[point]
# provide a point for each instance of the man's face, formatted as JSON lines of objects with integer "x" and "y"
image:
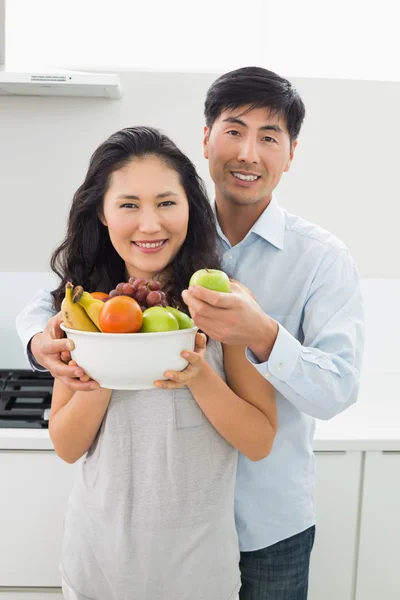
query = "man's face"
{"x": 247, "y": 152}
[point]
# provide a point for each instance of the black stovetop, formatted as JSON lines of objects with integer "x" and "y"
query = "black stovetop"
{"x": 25, "y": 398}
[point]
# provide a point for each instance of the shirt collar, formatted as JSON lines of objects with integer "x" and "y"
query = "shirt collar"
{"x": 270, "y": 225}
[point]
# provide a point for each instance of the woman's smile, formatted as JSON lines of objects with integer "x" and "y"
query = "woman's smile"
{"x": 150, "y": 247}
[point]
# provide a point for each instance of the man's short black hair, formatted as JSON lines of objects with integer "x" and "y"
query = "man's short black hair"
{"x": 257, "y": 88}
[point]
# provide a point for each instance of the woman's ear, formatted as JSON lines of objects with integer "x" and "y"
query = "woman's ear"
{"x": 102, "y": 219}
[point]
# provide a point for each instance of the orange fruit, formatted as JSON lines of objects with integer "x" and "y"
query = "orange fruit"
{"x": 121, "y": 314}
{"x": 100, "y": 295}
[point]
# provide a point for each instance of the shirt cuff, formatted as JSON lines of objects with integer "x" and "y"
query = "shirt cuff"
{"x": 283, "y": 358}
{"x": 35, "y": 366}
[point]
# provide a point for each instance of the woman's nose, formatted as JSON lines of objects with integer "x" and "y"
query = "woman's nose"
{"x": 149, "y": 223}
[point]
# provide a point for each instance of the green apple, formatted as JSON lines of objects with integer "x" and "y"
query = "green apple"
{"x": 213, "y": 279}
{"x": 158, "y": 318}
{"x": 184, "y": 321}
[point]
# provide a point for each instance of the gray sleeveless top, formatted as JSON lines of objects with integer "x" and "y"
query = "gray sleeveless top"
{"x": 151, "y": 515}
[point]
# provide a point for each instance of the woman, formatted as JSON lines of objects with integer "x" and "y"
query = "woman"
{"x": 151, "y": 515}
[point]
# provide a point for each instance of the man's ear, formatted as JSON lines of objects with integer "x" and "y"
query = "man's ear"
{"x": 205, "y": 141}
{"x": 289, "y": 162}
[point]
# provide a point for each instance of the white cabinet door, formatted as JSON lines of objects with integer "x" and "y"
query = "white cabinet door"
{"x": 379, "y": 556}
{"x": 34, "y": 489}
{"x": 337, "y": 495}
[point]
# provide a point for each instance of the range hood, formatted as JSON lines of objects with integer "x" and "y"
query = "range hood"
{"x": 52, "y": 81}
{"x": 55, "y": 82}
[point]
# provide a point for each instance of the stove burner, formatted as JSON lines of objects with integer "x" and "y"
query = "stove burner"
{"x": 25, "y": 398}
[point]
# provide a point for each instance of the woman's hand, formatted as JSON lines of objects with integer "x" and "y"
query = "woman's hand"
{"x": 196, "y": 360}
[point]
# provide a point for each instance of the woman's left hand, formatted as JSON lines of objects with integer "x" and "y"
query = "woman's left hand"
{"x": 196, "y": 360}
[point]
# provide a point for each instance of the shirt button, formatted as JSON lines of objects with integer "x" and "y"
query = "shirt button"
{"x": 279, "y": 366}
{"x": 229, "y": 256}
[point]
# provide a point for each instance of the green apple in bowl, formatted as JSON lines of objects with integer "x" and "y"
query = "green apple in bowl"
{"x": 157, "y": 319}
{"x": 213, "y": 279}
{"x": 184, "y": 321}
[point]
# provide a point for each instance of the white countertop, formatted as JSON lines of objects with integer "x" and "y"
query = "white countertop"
{"x": 372, "y": 424}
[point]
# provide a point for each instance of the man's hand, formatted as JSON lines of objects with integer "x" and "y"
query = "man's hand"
{"x": 52, "y": 350}
{"x": 234, "y": 318}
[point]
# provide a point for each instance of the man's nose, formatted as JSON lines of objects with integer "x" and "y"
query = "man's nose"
{"x": 248, "y": 151}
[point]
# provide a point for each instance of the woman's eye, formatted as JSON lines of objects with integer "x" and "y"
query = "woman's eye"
{"x": 128, "y": 205}
{"x": 167, "y": 203}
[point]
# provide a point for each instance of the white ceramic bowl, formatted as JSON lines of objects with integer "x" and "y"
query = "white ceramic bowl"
{"x": 130, "y": 361}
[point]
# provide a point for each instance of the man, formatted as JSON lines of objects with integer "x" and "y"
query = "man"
{"x": 303, "y": 329}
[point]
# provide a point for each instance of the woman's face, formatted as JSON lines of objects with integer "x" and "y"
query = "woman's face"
{"x": 147, "y": 212}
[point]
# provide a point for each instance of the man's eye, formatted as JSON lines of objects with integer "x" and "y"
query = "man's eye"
{"x": 233, "y": 132}
{"x": 269, "y": 139}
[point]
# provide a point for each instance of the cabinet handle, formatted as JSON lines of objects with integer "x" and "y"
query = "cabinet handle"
{"x": 330, "y": 452}
{"x": 390, "y": 451}
{"x": 24, "y": 451}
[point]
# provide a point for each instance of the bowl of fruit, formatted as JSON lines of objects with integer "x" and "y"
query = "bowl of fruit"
{"x": 127, "y": 339}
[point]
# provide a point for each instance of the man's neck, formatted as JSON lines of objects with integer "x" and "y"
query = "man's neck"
{"x": 235, "y": 220}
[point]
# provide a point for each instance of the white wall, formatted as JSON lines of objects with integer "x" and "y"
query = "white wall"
{"x": 177, "y": 35}
{"x": 351, "y": 39}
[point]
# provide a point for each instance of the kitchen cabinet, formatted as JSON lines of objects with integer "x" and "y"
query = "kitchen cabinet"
{"x": 337, "y": 495}
{"x": 357, "y": 495}
{"x": 379, "y": 555}
{"x": 35, "y": 489}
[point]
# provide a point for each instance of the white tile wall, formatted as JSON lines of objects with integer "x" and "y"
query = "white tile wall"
{"x": 16, "y": 290}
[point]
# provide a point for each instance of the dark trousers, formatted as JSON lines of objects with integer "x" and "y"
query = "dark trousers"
{"x": 279, "y": 572}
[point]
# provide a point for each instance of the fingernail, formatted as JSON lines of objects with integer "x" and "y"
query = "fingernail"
{"x": 169, "y": 375}
{"x": 93, "y": 386}
{"x": 78, "y": 373}
{"x": 159, "y": 385}
{"x": 69, "y": 345}
{"x": 185, "y": 354}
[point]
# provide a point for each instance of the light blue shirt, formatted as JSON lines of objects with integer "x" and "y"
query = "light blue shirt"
{"x": 304, "y": 278}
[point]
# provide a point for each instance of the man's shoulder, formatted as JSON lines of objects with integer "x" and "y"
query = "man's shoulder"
{"x": 300, "y": 232}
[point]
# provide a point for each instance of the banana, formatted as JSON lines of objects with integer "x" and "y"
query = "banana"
{"x": 91, "y": 306}
{"x": 73, "y": 314}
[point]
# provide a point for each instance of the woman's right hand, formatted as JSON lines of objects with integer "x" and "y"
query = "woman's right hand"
{"x": 194, "y": 370}
{"x": 51, "y": 350}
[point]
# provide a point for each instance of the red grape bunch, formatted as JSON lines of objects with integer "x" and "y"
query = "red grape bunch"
{"x": 146, "y": 293}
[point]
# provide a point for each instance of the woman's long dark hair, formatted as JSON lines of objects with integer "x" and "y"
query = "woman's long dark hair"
{"x": 87, "y": 256}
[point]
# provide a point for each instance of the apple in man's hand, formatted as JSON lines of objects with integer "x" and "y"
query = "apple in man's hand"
{"x": 212, "y": 279}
